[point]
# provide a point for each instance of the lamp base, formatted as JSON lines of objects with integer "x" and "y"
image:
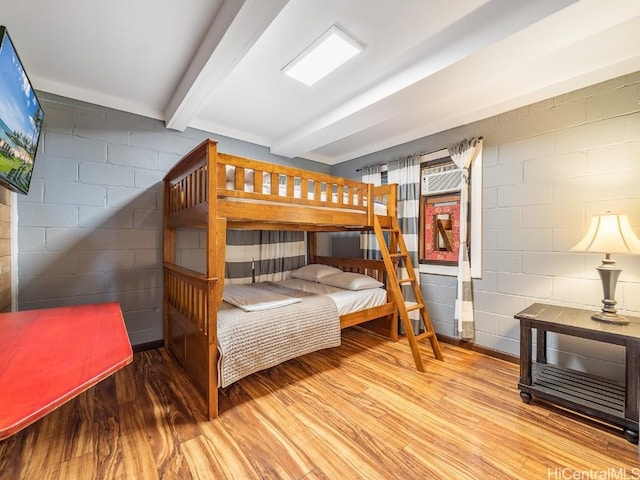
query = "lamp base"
{"x": 609, "y": 273}
{"x": 610, "y": 318}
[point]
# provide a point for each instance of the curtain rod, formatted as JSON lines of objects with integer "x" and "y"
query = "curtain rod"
{"x": 408, "y": 156}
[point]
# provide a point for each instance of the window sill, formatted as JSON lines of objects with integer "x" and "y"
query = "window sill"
{"x": 448, "y": 270}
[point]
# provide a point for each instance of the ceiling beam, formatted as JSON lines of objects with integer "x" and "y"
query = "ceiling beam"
{"x": 235, "y": 29}
{"x": 483, "y": 27}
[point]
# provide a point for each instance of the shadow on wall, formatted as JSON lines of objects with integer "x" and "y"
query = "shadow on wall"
{"x": 110, "y": 255}
{"x": 90, "y": 229}
{"x": 586, "y": 355}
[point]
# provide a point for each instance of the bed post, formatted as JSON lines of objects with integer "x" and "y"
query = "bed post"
{"x": 220, "y": 254}
{"x": 312, "y": 246}
{"x": 216, "y": 233}
{"x": 168, "y": 255}
{"x": 370, "y": 204}
{"x": 392, "y": 200}
{"x": 213, "y": 293}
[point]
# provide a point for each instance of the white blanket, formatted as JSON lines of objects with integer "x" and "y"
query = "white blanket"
{"x": 253, "y": 299}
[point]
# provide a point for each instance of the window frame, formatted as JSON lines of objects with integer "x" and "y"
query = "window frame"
{"x": 425, "y": 200}
{"x": 475, "y": 227}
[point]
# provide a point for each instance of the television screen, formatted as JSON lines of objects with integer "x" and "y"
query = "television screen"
{"x": 20, "y": 119}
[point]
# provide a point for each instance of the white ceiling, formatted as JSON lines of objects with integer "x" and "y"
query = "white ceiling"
{"x": 429, "y": 65}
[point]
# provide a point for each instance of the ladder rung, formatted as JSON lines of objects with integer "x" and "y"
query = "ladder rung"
{"x": 416, "y": 306}
{"x": 391, "y": 261}
{"x": 424, "y": 335}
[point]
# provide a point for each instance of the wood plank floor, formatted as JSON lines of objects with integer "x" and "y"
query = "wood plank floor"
{"x": 359, "y": 411}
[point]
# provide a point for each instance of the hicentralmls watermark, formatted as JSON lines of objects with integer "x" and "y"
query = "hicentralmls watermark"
{"x": 606, "y": 474}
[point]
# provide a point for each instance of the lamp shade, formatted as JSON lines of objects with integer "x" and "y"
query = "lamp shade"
{"x": 609, "y": 233}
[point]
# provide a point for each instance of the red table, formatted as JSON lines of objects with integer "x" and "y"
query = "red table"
{"x": 49, "y": 356}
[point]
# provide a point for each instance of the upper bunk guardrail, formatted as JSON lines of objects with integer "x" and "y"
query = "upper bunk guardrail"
{"x": 187, "y": 185}
{"x": 252, "y": 179}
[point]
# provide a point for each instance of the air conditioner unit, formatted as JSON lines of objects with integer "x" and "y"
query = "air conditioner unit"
{"x": 441, "y": 179}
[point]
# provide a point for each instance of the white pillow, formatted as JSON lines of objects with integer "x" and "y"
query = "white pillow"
{"x": 351, "y": 281}
{"x": 314, "y": 272}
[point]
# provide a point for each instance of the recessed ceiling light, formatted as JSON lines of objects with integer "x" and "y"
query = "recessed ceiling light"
{"x": 323, "y": 56}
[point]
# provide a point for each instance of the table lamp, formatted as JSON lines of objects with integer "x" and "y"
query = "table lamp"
{"x": 609, "y": 233}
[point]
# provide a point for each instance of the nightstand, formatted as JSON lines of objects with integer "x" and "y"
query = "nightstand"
{"x": 587, "y": 394}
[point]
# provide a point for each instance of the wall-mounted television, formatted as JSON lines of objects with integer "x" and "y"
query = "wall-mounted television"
{"x": 21, "y": 118}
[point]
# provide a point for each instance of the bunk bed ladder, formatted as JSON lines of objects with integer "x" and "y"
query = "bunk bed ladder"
{"x": 393, "y": 249}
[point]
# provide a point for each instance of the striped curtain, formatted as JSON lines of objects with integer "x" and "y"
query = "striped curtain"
{"x": 368, "y": 243}
{"x": 463, "y": 154}
{"x": 406, "y": 173}
{"x": 263, "y": 255}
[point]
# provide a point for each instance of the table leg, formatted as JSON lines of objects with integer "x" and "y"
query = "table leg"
{"x": 525, "y": 357}
{"x": 632, "y": 385}
{"x": 541, "y": 345}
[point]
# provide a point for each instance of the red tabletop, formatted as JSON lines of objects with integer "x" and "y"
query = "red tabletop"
{"x": 49, "y": 356}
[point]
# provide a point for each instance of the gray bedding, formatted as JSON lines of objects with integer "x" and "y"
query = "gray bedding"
{"x": 252, "y": 341}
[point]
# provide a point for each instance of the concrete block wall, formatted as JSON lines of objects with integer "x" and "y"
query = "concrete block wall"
{"x": 547, "y": 168}
{"x": 90, "y": 229}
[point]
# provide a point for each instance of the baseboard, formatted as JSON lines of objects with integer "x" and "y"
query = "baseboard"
{"x": 443, "y": 338}
{"x": 480, "y": 349}
{"x": 141, "y": 347}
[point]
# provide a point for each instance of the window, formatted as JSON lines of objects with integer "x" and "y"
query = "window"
{"x": 440, "y": 214}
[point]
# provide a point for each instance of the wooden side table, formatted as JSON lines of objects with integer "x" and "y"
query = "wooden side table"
{"x": 591, "y": 395}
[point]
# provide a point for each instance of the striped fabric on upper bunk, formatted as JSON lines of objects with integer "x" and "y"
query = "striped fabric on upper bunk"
{"x": 263, "y": 255}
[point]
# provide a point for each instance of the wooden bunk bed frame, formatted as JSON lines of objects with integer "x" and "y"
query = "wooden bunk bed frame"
{"x": 198, "y": 194}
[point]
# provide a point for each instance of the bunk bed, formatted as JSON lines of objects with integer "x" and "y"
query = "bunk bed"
{"x": 215, "y": 192}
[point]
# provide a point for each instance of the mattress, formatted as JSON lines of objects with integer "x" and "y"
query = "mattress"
{"x": 347, "y": 301}
{"x": 252, "y": 341}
